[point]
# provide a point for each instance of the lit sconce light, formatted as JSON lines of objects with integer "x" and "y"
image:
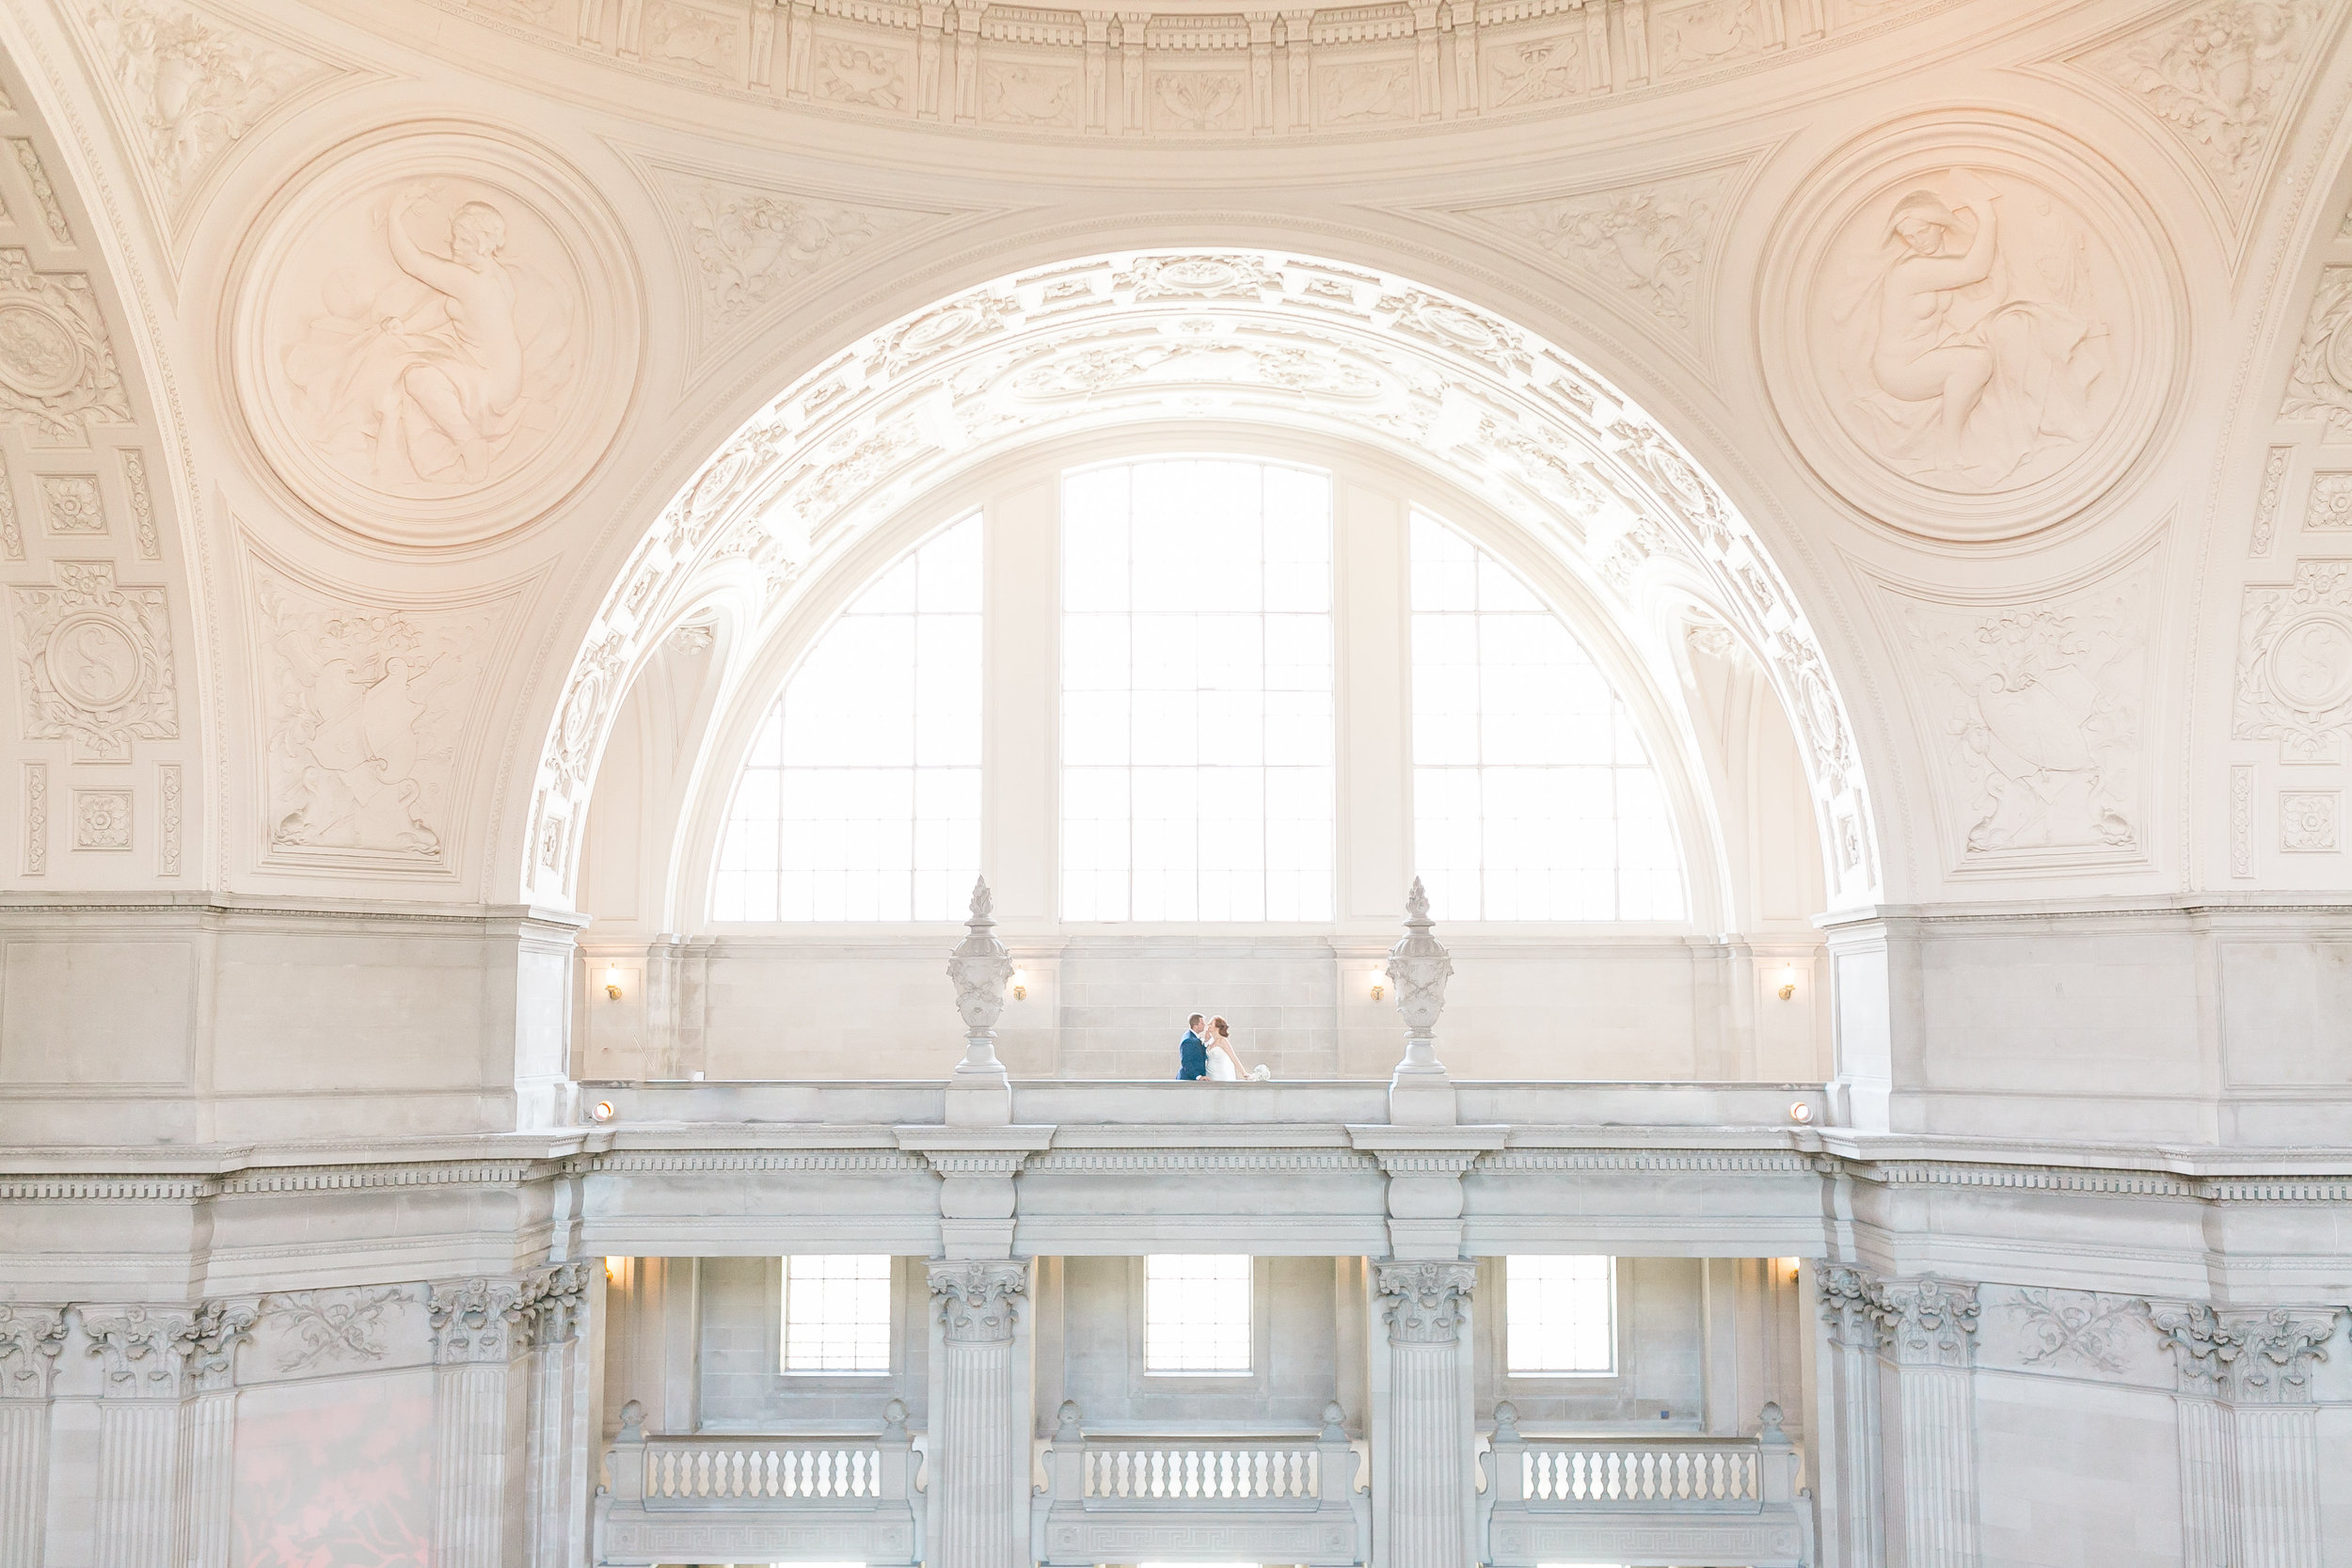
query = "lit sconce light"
{"x": 1379, "y": 985}
{"x": 612, "y": 1269}
{"x": 1788, "y": 1267}
{"x": 1020, "y": 985}
{"x": 1788, "y": 983}
{"x": 602, "y": 1111}
{"x": 1801, "y": 1113}
{"x": 612, "y": 981}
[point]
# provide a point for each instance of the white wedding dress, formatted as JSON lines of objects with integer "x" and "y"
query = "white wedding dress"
{"x": 1221, "y": 1066}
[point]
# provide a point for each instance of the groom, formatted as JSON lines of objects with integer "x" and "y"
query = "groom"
{"x": 1192, "y": 1057}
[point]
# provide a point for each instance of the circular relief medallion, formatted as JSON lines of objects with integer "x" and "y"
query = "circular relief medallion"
{"x": 436, "y": 337}
{"x": 1976, "y": 334}
{"x": 39, "y": 355}
{"x": 93, "y": 661}
{"x": 2310, "y": 664}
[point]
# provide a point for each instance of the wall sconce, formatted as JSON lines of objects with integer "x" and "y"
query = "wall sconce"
{"x": 602, "y": 1111}
{"x": 1790, "y": 1267}
{"x": 1379, "y": 985}
{"x": 1788, "y": 983}
{"x": 612, "y": 1269}
{"x": 1020, "y": 985}
{"x": 612, "y": 981}
{"x": 1801, "y": 1113}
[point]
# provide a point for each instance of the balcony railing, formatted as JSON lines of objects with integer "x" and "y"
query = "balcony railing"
{"x": 1647, "y": 1502}
{"x": 734, "y": 1499}
{"x": 1160, "y": 1499}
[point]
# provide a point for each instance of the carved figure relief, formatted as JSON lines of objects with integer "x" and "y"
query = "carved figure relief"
{"x": 1530, "y": 70}
{"x": 1713, "y": 32}
{"x": 1029, "y": 95}
{"x": 853, "y": 73}
{"x": 1365, "y": 91}
{"x": 1649, "y": 241}
{"x": 2294, "y": 663}
{"x": 365, "y": 712}
{"x": 416, "y": 332}
{"x": 2036, "y": 707}
{"x": 750, "y": 246}
{"x": 190, "y": 85}
{"x": 71, "y": 503}
{"x": 93, "y": 662}
{"x": 689, "y": 38}
{"x": 1197, "y": 100}
{"x": 1979, "y": 344}
{"x": 58, "y": 374}
{"x": 2307, "y": 821}
{"x": 2220, "y": 79}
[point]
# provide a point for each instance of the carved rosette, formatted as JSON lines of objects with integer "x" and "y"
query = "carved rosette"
{"x": 2260, "y": 1356}
{"x": 1419, "y": 967}
{"x": 1423, "y": 1303}
{"x": 31, "y": 1339}
{"x": 979, "y": 1302}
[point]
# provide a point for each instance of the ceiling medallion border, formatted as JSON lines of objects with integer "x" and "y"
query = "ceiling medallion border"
{"x": 1959, "y": 380}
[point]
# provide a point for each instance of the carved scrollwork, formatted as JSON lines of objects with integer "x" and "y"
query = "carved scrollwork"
{"x": 57, "y": 373}
{"x": 94, "y": 662}
{"x": 2294, "y": 663}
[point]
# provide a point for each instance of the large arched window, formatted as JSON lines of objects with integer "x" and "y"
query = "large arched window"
{"x": 1196, "y": 729}
{"x": 861, "y": 798}
{"x": 1532, "y": 797}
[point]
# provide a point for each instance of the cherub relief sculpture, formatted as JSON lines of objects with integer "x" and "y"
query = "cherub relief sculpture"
{"x": 1978, "y": 337}
{"x": 438, "y": 374}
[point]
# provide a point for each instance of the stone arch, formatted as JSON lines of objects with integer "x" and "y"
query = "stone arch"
{"x": 1257, "y": 335}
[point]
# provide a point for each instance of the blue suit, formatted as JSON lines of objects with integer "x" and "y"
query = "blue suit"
{"x": 1192, "y": 1057}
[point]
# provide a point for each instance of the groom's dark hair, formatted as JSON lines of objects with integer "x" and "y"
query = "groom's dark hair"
{"x": 1195, "y": 1021}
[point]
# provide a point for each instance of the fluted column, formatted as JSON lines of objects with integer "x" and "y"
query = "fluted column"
{"x": 2249, "y": 1433}
{"x": 1928, "y": 1330}
{"x": 30, "y": 1340}
{"x": 1428, "y": 1483}
{"x": 208, "y": 1430}
{"x": 141, "y": 1520}
{"x": 980, "y": 1456}
{"x": 1851, "y": 1307}
{"x": 553, "y": 1302}
{"x": 480, "y": 1406}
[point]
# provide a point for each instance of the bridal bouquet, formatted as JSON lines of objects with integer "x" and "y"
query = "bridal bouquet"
{"x": 1261, "y": 1073}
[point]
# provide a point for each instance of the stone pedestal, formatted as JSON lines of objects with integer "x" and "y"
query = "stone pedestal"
{"x": 1425, "y": 1424}
{"x": 979, "y": 1453}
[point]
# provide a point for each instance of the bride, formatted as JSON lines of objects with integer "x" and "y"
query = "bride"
{"x": 1224, "y": 1067}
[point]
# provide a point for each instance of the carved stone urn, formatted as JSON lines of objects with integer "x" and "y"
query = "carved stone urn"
{"x": 1419, "y": 967}
{"x": 979, "y": 1094}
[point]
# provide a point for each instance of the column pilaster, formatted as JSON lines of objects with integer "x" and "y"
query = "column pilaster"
{"x": 981, "y": 1459}
{"x": 208, "y": 1428}
{"x": 2249, "y": 1432}
{"x": 1427, "y": 1482}
{"x": 1929, "y": 1332}
{"x": 141, "y": 1518}
{"x": 31, "y": 1339}
{"x": 1850, "y": 1306}
{"x": 480, "y": 1406}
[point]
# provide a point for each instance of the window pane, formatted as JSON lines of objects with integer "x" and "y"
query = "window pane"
{"x": 1196, "y": 1315}
{"x": 1198, "y": 738}
{"x": 1560, "y": 1315}
{"x": 837, "y": 1313}
{"x": 861, "y": 798}
{"x": 1533, "y": 798}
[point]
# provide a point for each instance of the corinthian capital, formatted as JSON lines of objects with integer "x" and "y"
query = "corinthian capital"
{"x": 1854, "y": 1305}
{"x": 2259, "y": 1356}
{"x": 146, "y": 1352}
{"x": 1423, "y": 1303}
{"x": 979, "y": 1302}
{"x": 1928, "y": 1322}
{"x": 478, "y": 1320}
{"x": 31, "y": 1339}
